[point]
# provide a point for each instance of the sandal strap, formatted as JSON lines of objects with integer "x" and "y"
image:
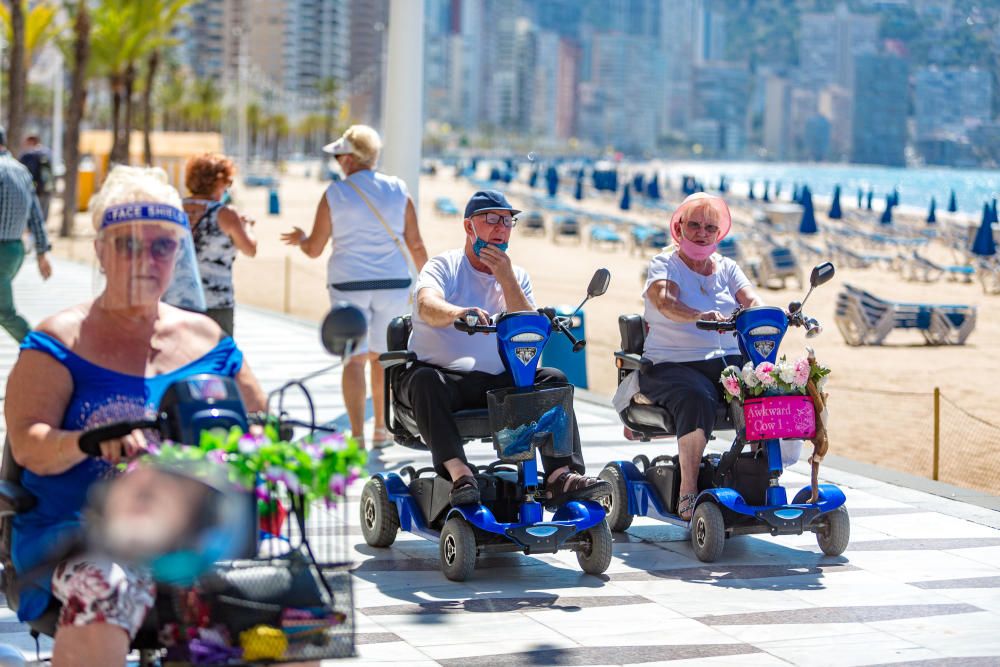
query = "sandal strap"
{"x": 574, "y": 481}
{"x": 464, "y": 480}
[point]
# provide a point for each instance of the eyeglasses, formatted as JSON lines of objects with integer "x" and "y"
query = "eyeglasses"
{"x": 492, "y": 219}
{"x": 696, "y": 226}
{"x": 160, "y": 248}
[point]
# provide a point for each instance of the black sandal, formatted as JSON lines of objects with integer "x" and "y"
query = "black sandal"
{"x": 575, "y": 487}
{"x": 464, "y": 491}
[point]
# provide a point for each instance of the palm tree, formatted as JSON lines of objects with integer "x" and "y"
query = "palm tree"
{"x": 78, "y": 56}
{"x": 327, "y": 90}
{"x": 18, "y": 77}
{"x": 164, "y": 15}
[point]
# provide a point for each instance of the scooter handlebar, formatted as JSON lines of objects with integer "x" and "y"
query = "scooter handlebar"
{"x": 714, "y": 325}
{"x": 91, "y": 439}
{"x": 462, "y": 324}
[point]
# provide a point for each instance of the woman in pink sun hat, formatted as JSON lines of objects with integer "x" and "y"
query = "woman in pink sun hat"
{"x": 688, "y": 282}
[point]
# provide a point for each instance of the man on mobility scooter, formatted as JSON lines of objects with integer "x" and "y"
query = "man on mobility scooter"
{"x": 443, "y": 392}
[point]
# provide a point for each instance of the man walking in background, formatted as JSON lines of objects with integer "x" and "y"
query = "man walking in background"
{"x": 19, "y": 208}
{"x": 38, "y": 160}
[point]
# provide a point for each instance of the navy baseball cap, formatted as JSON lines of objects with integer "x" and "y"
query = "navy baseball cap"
{"x": 488, "y": 200}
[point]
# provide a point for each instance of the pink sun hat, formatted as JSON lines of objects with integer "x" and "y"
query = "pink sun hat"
{"x": 717, "y": 204}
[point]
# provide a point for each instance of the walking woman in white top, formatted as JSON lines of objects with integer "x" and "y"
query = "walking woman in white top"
{"x": 368, "y": 216}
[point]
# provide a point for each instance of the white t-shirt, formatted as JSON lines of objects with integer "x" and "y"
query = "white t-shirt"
{"x": 362, "y": 248}
{"x": 452, "y": 275}
{"x": 668, "y": 340}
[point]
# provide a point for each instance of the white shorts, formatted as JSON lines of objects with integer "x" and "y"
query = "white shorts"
{"x": 379, "y": 307}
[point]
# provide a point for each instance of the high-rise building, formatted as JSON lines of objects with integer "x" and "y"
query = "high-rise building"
{"x": 951, "y": 101}
{"x": 677, "y": 27}
{"x": 777, "y": 117}
{"x": 881, "y": 98}
{"x": 721, "y": 91}
{"x": 201, "y": 39}
{"x": 368, "y": 32}
{"x": 829, "y": 43}
{"x": 710, "y": 32}
{"x": 835, "y": 105}
{"x": 316, "y": 44}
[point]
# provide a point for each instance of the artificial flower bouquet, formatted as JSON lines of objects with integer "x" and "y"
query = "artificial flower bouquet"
{"x": 780, "y": 379}
{"x": 317, "y": 470}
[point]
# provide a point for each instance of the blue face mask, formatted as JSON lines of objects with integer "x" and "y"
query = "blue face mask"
{"x": 480, "y": 244}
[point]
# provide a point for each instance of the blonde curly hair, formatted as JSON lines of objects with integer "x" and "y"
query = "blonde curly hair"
{"x": 367, "y": 144}
{"x": 125, "y": 185}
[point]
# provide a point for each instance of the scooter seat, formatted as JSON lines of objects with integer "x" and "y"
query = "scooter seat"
{"x": 472, "y": 425}
{"x": 652, "y": 421}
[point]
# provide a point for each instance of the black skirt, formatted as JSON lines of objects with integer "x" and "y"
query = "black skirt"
{"x": 689, "y": 390}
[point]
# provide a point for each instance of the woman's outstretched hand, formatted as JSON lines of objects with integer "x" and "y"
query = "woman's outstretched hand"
{"x": 294, "y": 237}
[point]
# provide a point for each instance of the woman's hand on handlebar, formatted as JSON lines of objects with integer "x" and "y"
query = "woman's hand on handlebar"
{"x": 711, "y": 316}
{"x": 125, "y": 447}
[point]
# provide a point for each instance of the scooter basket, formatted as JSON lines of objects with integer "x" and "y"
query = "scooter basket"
{"x": 524, "y": 419}
{"x": 292, "y": 603}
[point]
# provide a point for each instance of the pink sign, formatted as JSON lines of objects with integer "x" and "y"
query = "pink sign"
{"x": 779, "y": 417}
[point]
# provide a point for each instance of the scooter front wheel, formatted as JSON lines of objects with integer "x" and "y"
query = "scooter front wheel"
{"x": 379, "y": 519}
{"x": 708, "y": 532}
{"x": 834, "y": 536}
{"x": 615, "y": 504}
{"x": 594, "y": 554}
{"x": 458, "y": 549}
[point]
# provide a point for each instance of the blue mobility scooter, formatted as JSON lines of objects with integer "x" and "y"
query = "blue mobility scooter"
{"x": 739, "y": 492}
{"x": 520, "y": 420}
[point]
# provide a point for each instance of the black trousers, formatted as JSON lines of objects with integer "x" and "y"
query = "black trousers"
{"x": 434, "y": 394}
{"x": 689, "y": 390}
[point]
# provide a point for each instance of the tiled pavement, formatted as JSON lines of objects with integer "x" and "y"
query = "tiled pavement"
{"x": 919, "y": 584}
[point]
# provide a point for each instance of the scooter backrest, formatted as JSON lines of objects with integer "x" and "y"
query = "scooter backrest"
{"x": 397, "y": 336}
{"x": 633, "y": 332}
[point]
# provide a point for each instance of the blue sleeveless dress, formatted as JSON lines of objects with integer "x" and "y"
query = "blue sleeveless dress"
{"x": 100, "y": 396}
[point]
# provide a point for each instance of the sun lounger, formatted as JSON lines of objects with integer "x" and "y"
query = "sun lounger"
{"x": 865, "y": 319}
{"x": 988, "y": 271}
{"x": 919, "y": 268}
{"x": 445, "y": 206}
{"x": 645, "y": 238}
{"x": 777, "y": 264}
{"x": 605, "y": 236}
{"x": 566, "y": 227}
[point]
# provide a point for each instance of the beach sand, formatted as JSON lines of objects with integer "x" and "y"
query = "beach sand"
{"x": 881, "y": 398}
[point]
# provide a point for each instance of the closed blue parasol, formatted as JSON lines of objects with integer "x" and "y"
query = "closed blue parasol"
{"x": 750, "y": 194}
{"x": 626, "y": 202}
{"x": 861, "y": 198}
{"x": 533, "y": 178}
{"x": 932, "y": 212}
{"x": 767, "y": 186}
{"x": 552, "y": 181}
{"x": 808, "y": 224}
{"x": 871, "y": 193}
{"x": 835, "y": 212}
{"x": 886, "y": 218}
{"x": 984, "y": 245}
{"x": 952, "y": 203}
{"x": 578, "y": 193}
{"x": 638, "y": 183}
{"x": 653, "y": 187}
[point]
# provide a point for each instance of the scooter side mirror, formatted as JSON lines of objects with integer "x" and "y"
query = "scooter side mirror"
{"x": 344, "y": 327}
{"x": 821, "y": 273}
{"x": 599, "y": 283}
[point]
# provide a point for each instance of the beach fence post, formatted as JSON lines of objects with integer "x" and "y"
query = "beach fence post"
{"x": 287, "y": 301}
{"x": 937, "y": 432}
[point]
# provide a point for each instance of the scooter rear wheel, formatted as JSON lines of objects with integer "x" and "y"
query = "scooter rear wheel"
{"x": 834, "y": 537}
{"x": 458, "y": 549}
{"x": 379, "y": 519}
{"x": 615, "y": 504}
{"x": 594, "y": 555}
{"x": 708, "y": 532}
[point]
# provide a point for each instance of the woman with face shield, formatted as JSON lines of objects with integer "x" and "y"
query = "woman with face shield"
{"x": 106, "y": 360}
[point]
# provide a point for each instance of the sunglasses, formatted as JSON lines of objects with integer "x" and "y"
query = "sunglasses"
{"x": 493, "y": 219}
{"x": 160, "y": 248}
{"x": 696, "y": 226}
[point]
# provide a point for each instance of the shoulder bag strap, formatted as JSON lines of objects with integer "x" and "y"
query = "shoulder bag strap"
{"x": 392, "y": 234}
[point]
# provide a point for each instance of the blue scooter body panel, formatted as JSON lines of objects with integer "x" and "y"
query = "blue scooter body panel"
{"x": 759, "y": 332}
{"x": 520, "y": 339}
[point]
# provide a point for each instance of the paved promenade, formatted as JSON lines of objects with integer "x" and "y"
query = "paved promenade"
{"x": 919, "y": 584}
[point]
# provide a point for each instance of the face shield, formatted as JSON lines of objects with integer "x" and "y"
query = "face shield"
{"x": 145, "y": 253}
